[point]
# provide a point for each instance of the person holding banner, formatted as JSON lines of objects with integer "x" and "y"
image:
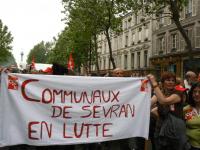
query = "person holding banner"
{"x": 122, "y": 144}
{"x": 170, "y": 127}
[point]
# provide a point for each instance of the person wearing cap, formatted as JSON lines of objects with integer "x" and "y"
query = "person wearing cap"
{"x": 192, "y": 116}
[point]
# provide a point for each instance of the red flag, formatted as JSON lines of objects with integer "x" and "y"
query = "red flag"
{"x": 70, "y": 65}
{"x": 33, "y": 64}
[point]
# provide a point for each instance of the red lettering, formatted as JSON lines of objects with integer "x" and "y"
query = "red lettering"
{"x": 76, "y": 130}
{"x": 86, "y": 108}
{"x": 54, "y": 115}
{"x": 95, "y": 111}
{"x": 105, "y": 130}
{"x": 123, "y": 110}
{"x": 131, "y": 109}
{"x": 44, "y": 100}
{"x": 64, "y": 132}
{"x": 65, "y": 112}
{"x": 113, "y": 110}
{"x": 55, "y": 92}
{"x": 30, "y": 131}
{"x": 49, "y": 129}
{"x": 103, "y": 96}
{"x": 43, "y": 127}
{"x": 97, "y": 129}
{"x": 115, "y": 96}
{"x": 23, "y": 89}
{"x": 66, "y": 94}
{"x": 96, "y": 95}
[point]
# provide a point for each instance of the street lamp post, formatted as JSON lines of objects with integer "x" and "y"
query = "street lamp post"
{"x": 22, "y": 54}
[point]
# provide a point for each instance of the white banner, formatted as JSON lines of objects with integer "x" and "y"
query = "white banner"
{"x": 48, "y": 109}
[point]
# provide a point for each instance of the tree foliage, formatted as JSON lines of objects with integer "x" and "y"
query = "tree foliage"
{"x": 10, "y": 60}
{"x": 39, "y": 52}
{"x": 93, "y": 17}
{"x": 5, "y": 42}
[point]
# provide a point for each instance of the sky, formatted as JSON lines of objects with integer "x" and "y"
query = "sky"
{"x": 30, "y": 22}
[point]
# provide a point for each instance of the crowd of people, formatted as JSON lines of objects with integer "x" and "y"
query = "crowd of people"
{"x": 174, "y": 118}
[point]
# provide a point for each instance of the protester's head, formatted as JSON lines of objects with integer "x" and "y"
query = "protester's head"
{"x": 118, "y": 72}
{"x": 168, "y": 80}
{"x": 58, "y": 69}
{"x": 198, "y": 77}
{"x": 179, "y": 81}
{"x": 194, "y": 94}
{"x": 191, "y": 77}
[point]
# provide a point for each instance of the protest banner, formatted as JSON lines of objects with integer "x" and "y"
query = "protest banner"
{"x": 63, "y": 110}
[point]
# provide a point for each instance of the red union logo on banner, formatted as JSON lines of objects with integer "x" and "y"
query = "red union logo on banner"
{"x": 12, "y": 82}
{"x": 144, "y": 87}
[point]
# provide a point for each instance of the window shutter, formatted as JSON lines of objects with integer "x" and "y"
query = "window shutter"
{"x": 169, "y": 43}
{"x": 197, "y": 38}
{"x": 182, "y": 14}
{"x": 194, "y": 6}
{"x": 157, "y": 46}
{"x": 164, "y": 47}
{"x": 191, "y": 37}
{"x": 182, "y": 43}
{"x": 177, "y": 42}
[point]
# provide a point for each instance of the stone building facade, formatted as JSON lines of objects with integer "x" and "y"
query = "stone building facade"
{"x": 148, "y": 45}
{"x": 131, "y": 48}
{"x": 169, "y": 48}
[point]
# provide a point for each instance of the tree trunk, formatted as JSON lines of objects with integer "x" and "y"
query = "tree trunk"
{"x": 176, "y": 17}
{"x": 110, "y": 49}
{"x": 90, "y": 57}
{"x": 96, "y": 54}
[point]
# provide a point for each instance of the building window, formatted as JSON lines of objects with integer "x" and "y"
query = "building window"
{"x": 189, "y": 33}
{"x": 145, "y": 58}
{"x": 161, "y": 20}
{"x": 147, "y": 32}
{"x": 104, "y": 63}
{"x": 115, "y": 44}
{"x": 120, "y": 41}
{"x": 138, "y": 59}
{"x": 139, "y": 35}
{"x": 161, "y": 45}
{"x": 126, "y": 41}
{"x": 125, "y": 61}
{"x": 125, "y": 25}
{"x": 197, "y": 37}
{"x": 100, "y": 64}
{"x": 136, "y": 19}
{"x": 174, "y": 41}
{"x": 132, "y": 60}
{"x": 188, "y": 9}
{"x": 119, "y": 61}
{"x": 105, "y": 47}
{"x": 133, "y": 38}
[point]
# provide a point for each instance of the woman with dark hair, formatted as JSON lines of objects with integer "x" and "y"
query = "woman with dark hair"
{"x": 170, "y": 127}
{"x": 192, "y": 116}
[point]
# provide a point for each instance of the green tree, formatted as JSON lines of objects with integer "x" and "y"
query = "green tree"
{"x": 102, "y": 16}
{"x": 59, "y": 51}
{"x": 5, "y": 42}
{"x": 83, "y": 30}
{"x": 39, "y": 52}
{"x": 10, "y": 60}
